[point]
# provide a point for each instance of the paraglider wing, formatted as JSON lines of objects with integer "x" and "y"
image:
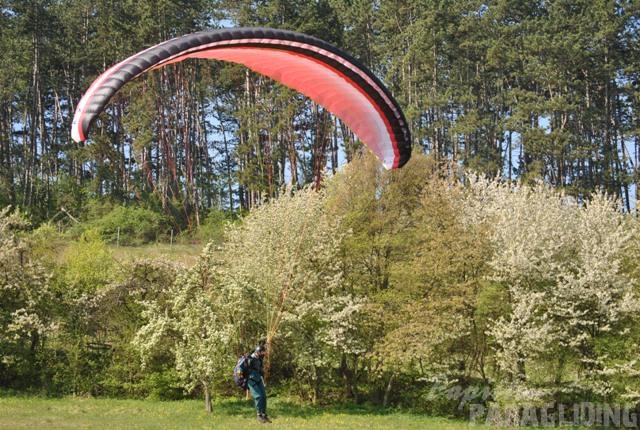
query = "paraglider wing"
{"x": 322, "y": 72}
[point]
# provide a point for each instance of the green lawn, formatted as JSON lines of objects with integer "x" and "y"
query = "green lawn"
{"x": 80, "y": 413}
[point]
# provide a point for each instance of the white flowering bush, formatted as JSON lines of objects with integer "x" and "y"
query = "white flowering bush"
{"x": 286, "y": 252}
{"x": 26, "y": 301}
{"x": 194, "y": 319}
{"x": 561, "y": 262}
{"x": 273, "y": 273}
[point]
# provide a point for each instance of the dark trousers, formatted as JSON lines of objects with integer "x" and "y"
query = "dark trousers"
{"x": 259, "y": 395}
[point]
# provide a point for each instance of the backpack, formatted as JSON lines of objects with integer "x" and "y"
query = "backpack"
{"x": 240, "y": 370}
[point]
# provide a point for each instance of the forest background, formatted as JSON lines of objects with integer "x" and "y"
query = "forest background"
{"x": 504, "y": 258}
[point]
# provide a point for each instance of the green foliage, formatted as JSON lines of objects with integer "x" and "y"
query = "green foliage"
{"x": 88, "y": 263}
{"x": 193, "y": 321}
{"x": 163, "y": 385}
{"x": 119, "y": 313}
{"x": 213, "y": 227}
{"x": 124, "y": 225}
{"x": 413, "y": 262}
{"x": 561, "y": 263}
{"x": 46, "y": 242}
{"x": 440, "y": 275}
{"x": 70, "y": 195}
{"x": 131, "y": 226}
{"x": 286, "y": 252}
{"x": 27, "y": 303}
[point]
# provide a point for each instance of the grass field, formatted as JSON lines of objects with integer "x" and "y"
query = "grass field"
{"x": 82, "y": 413}
{"x": 186, "y": 254}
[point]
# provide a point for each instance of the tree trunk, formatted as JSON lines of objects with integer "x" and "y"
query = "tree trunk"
{"x": 387, "y": 391}
{"x": 347, "y": 378}
{"x": 208, "y": 404}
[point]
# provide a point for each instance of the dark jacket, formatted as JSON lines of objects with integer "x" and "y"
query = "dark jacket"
{"x": 254, "y": 368}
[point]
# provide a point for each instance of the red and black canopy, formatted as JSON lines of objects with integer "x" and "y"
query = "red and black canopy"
{"x": 322, "y": 72}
